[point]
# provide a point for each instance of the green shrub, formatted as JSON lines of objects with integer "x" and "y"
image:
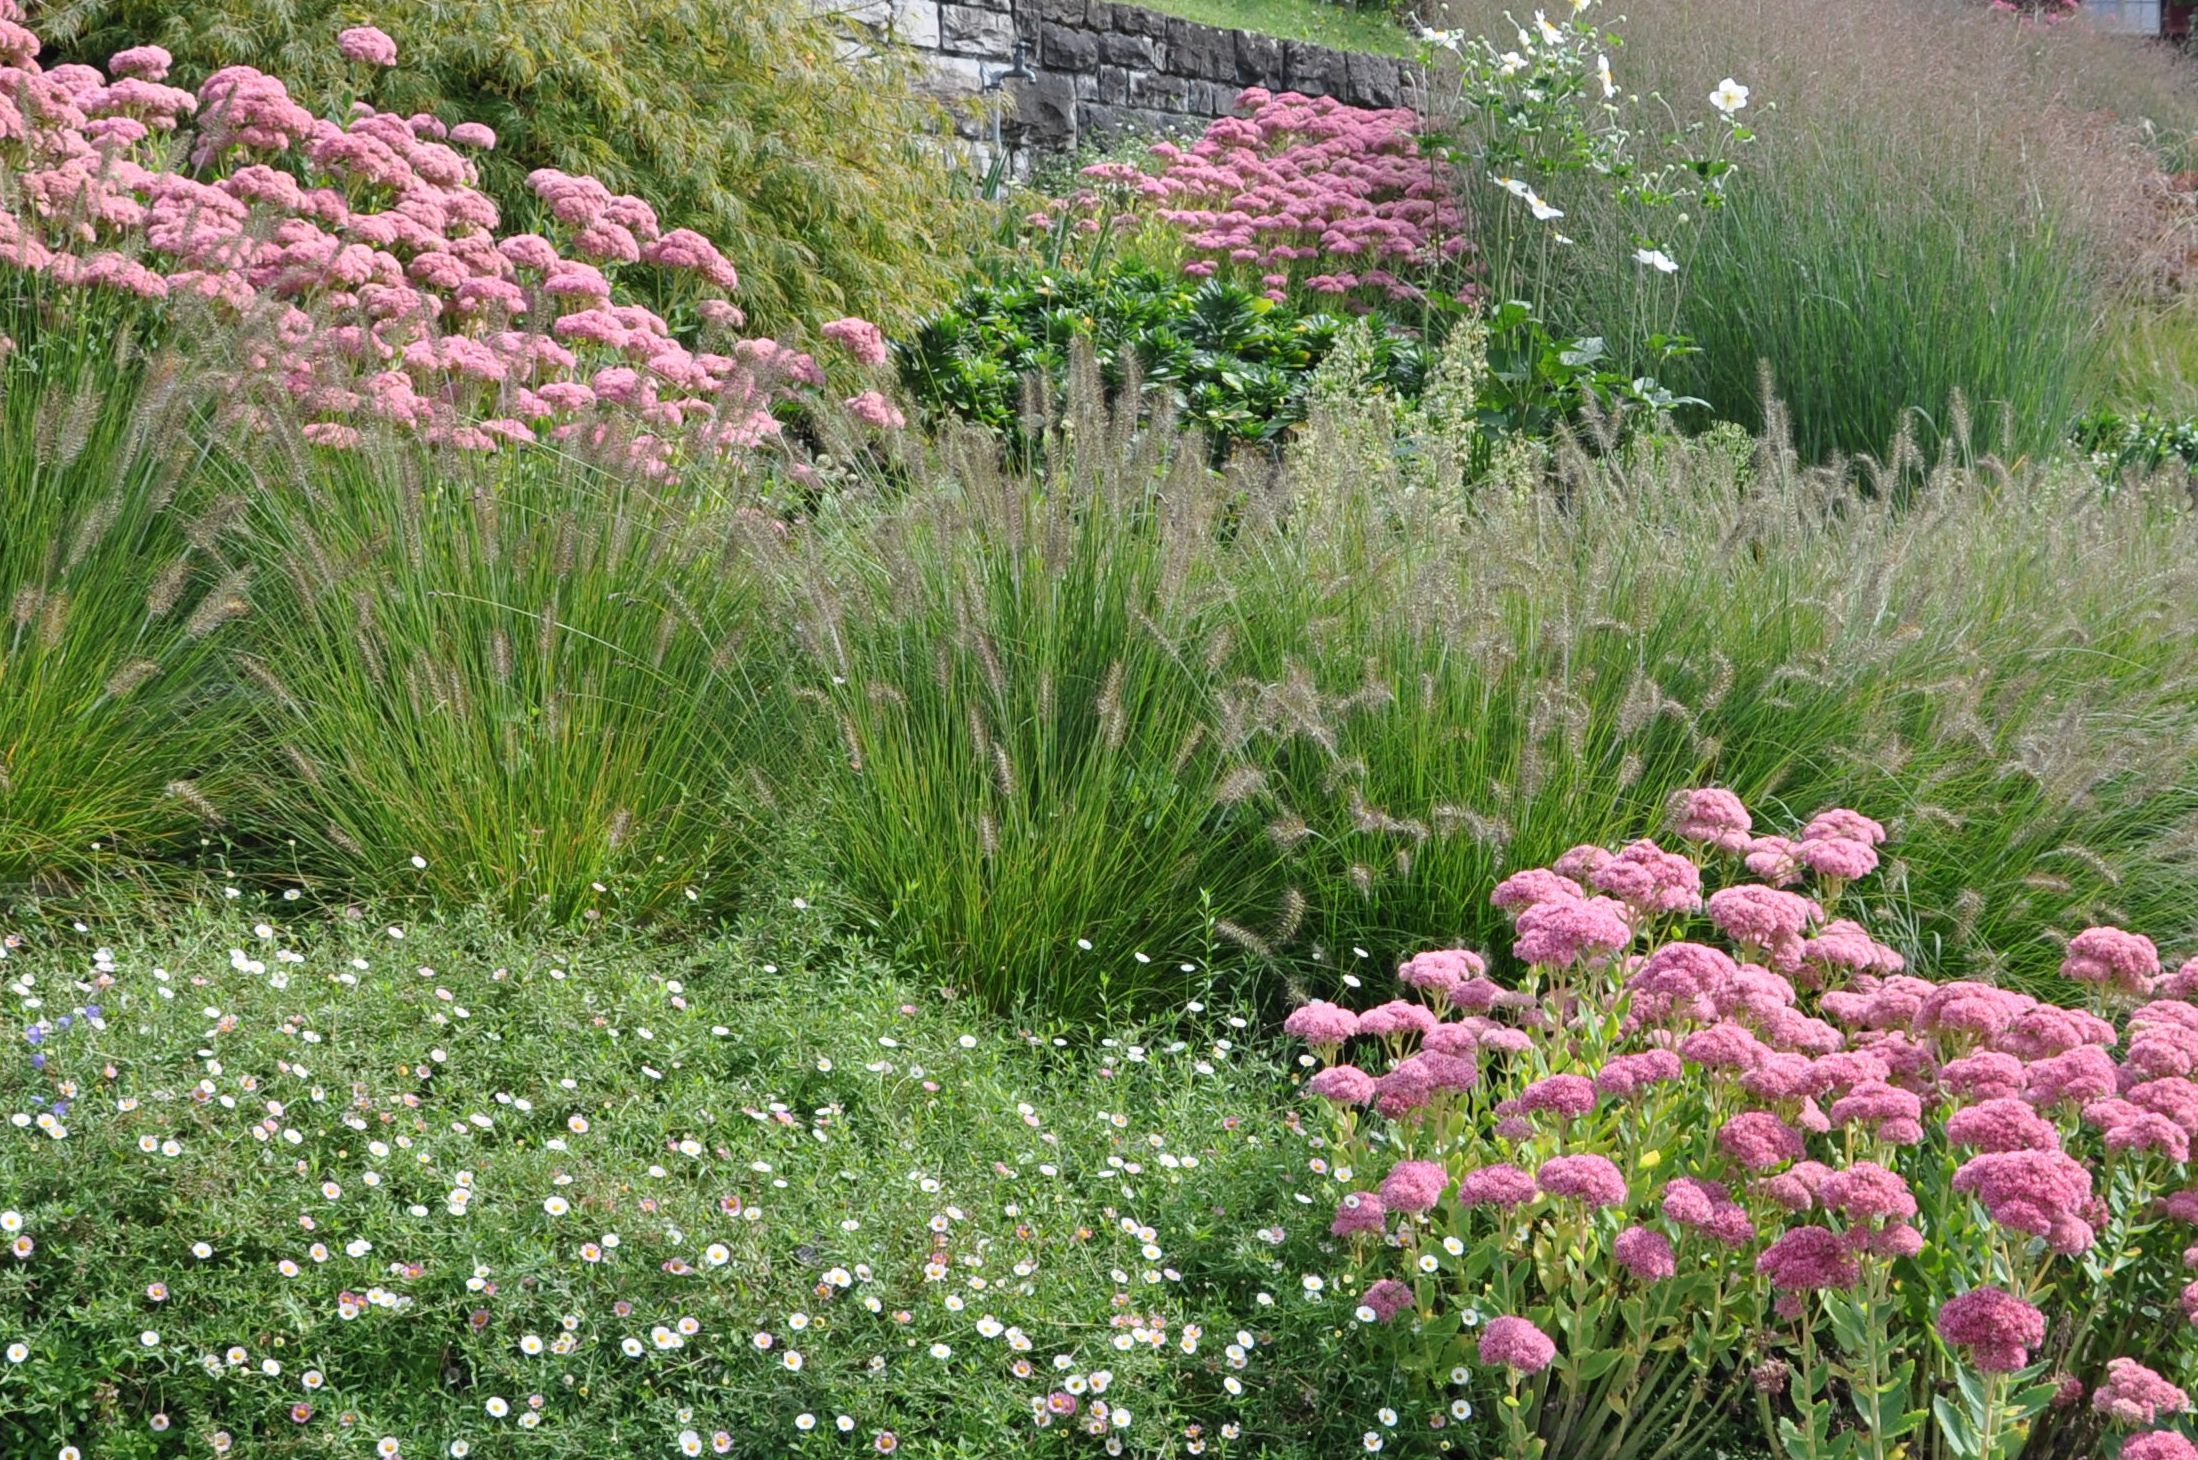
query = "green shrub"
{"x": 122, "y": 586}
{"x": 761, "y": 1135}
{"x": 1346, "y": 706}
{"x": 2117, "y": 445}
{"x": 819, "y": 177}
{"x": 528, "y": 675}
{"x": 1235, "y": 362}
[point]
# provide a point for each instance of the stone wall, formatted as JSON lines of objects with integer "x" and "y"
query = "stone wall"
{"x": 1099, "y": 68}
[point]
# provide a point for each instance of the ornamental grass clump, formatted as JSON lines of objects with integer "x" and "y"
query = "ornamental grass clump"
{"x": 515, "y": 682}
{"x": 1720, "y": 1148}
{"x": 123, "y": 595}
{"x": 1289, "y": 712}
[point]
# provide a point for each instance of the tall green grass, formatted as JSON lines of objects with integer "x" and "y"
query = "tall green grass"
{"x": 1940, "y": 203}
{"x": 1343, "y": 713}
{"x": 122, "y": 589}
{"x": 1030, "y": 788}
{"x": 519, "y": 681}
{"x": 1296, "y": 715}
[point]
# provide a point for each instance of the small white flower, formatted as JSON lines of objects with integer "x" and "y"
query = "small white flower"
{"x": 1602, "y": 74}
{"x": 1549, "y": 33}
{"x": 1729, "y": 97}
{"x": 1656, "y": 259}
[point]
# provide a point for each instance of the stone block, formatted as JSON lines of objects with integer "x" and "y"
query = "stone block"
{"x": 910, "y": 22}
{"x": 1139, "y": 51}
{"x": 1212, "y": 98}
{"x": 1064, "y": 48}
{"x": 1137, "y": 20}
{"x": 1102, "y": 120}
{"x": 951, "y": 77}
{"x": 1114, "y": 85}
{"x": 1160, "y": 91}
{"x": 1057, "y": 12}
{"x": 965, "y": 30}
{"x": 1313, "y": 70}
{"x": 1258, "y": 60}
{"x": 1045, "y": 110}
{"x": 1200, "y": 51}
{"x": 1370, "y": 80}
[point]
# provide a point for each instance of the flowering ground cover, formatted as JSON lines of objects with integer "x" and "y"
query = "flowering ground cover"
{"x": 276, "y": 1185}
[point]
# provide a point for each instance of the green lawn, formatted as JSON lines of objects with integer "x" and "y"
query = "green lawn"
{"x": 1339, "y": 26}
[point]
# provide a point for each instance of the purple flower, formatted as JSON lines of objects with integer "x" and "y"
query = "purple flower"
{"x": 1807, "y": 1258}
{"x": 1396, "y": 1018}
{"x": 1712, "y": 817}
{"x": 1867, "y": 1192}
{"x": 1387, "y": 1298}
{"x": 1499, "y": 1185}
{"x": 2002, "y": 1125}
{"x": 1759, "y": 1140}
{"x": 1361, "y": 1211}
{"x": 1567, "y": 1095}
{"x": 1516, "y": 1344}
{"x": 1999, "y": 1329}
{"x": 2135, "y": 1395}
{"x": 1645, "y": 1253}
{"x": 1414, "y": 1186}
{"x": 1592, "y": 1179}
{"x": 1321, "y": 1024}
{"x": 1628, "y": 1075}
{"x": 1344, "y": 1084}
{"x": 365, "y": 43}
{"x": 2109, "y": 956}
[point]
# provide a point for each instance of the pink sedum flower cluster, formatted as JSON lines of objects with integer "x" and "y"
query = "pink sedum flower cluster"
{"x": 1745, "y": 1086}
{"x": 371, "y": 271}
{"x": 1293, "y": 191}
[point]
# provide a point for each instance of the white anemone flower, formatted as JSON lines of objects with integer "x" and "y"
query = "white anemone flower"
{"x": 1729, "y": 97}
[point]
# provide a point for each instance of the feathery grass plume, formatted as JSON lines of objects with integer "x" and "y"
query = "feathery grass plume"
{"x": 110, "y": 688}
{"x": 1245, "y": 938}
{"x": 190, "y": 795}
{"x": 567, "y": 731}
{"x": 130, "y": 676}
{"x": 1576, "y": 651}
{"x": 1239, "y": 784}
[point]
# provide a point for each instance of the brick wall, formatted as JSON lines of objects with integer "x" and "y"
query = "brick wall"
{"x": 1101, "y": 68}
